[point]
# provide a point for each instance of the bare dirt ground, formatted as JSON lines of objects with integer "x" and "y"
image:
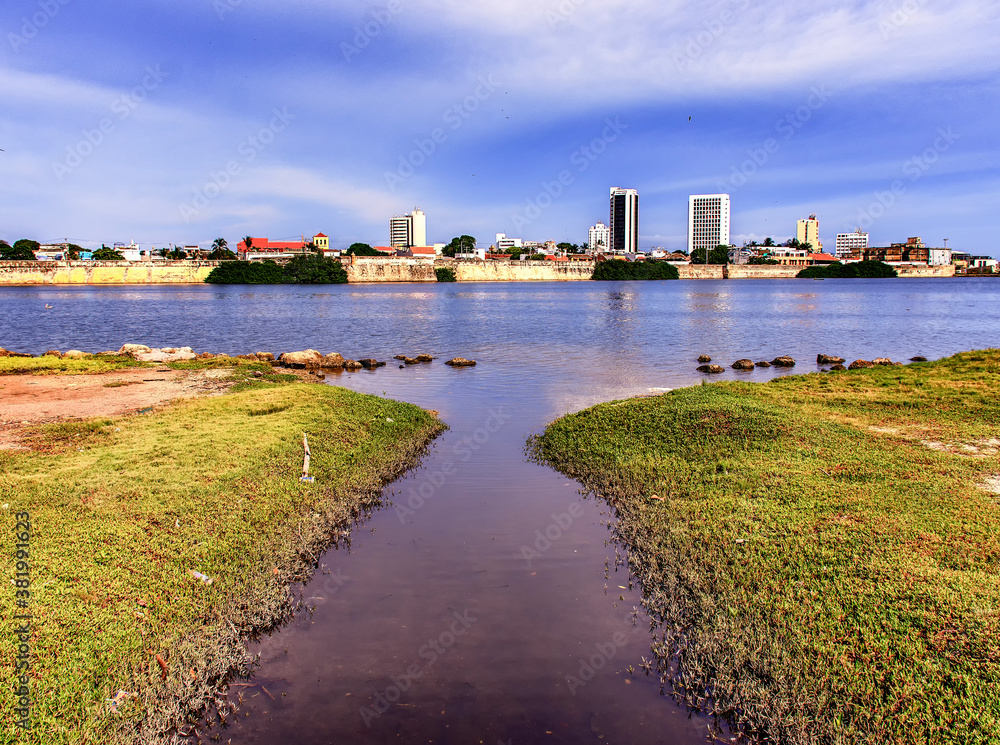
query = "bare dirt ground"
{"x": 36, "y": 399}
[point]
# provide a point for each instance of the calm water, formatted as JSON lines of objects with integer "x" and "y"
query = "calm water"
{"x": 435, "y": 627}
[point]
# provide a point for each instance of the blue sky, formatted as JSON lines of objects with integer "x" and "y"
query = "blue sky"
{"x": 179, "y": 121}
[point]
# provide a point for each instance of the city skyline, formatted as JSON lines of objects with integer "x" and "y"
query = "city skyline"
{"x": 204, "y": 124}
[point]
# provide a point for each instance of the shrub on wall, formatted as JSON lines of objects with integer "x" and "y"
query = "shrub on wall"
{"x": 445, "y": 274}
{"x": 617, "y": 269}
{"x": 856, "y": 270}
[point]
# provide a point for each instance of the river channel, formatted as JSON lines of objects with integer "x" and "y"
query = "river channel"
{"x": 482, "y": 603}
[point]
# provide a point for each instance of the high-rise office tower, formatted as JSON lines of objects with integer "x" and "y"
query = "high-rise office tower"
{"x": 624, "y": 228}
{"x": 408, "y": 230}
{"x": 708, "y": 221}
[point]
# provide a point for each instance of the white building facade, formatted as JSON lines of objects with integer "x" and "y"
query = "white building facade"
{"x": 850, "y": 243}
{"x": 600, "y": 237}
{"x": 708, "y": 221}
{"x": 408, "y": 230}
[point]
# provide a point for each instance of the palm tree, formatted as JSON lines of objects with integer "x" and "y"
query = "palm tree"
{"x": 219, "y": 244}
{"x": 248, "y": 242}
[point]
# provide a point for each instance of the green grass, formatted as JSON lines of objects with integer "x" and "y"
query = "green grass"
{"x": 56, "y": 366}
{"x": 122, "y": 510}
{"x": 818, "y": 569}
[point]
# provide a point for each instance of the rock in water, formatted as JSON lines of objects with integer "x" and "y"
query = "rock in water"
{"x": 826, "y": 359}
{"x": 783, "y": 361}
{"x": 424, "y": 358}
{"x": 352, "y": 365}
{"x": 860, "y": 365}
{"x": 460, "y": 362}
{"x": 884, "y": 361}
{"x": 837, "y": 368}
{"x": 704, "y": 358}
{"x": 713, "y": 369}
{"x": 763, "y": 363}
{"x": 332, "y": 361}
{"x": 918, "y": 359}
{"x": 370, "y": 364}
{"x": 308, "y": 359}
{"x": 743, "y": 365}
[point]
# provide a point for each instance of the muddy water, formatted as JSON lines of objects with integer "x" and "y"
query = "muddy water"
{"x": 483, "y": 605}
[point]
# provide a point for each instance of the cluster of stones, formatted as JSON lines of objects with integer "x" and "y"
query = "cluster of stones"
{"x": 785, "y": 361}
{"x": 744, "y": 364}
{"x": 308, "y": 359}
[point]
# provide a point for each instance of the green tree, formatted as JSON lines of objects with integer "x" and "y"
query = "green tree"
{"x": 768, "y": 242}
{"x": 246, "y": 273}
{"x": 460, "y": 245}
{"x": 177, "y": 254}
{"x": 362, "y": 249}
{"x": 73, "y": 251}
{"x": 107, "y": 254}
{"x": 717, "y": 255}
{"x": 18, "y": 252}
{"x": 220, "y": 243}
{"x": 312, "y": 269}
{"x": 27, "y": 243}
{"x": 248, "y": 242}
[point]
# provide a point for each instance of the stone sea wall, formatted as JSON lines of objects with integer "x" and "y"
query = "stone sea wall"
{"x": 371, "y": 269}
{"x": 104, "y": 272}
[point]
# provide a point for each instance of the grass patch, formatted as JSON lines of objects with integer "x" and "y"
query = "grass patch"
{"x": 123, "y": 510}
{"x": 817, "y": 573}
{"x": 91, "y": 364}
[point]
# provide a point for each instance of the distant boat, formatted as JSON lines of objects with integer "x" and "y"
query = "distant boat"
{"x": 47, "y": 306}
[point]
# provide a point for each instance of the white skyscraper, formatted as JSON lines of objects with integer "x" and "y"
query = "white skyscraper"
{"x": 624, "y": 229}
{"x": 708, "y": 221}
{"x": 600, "y": 238}
{"x": 408, "y": 230}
